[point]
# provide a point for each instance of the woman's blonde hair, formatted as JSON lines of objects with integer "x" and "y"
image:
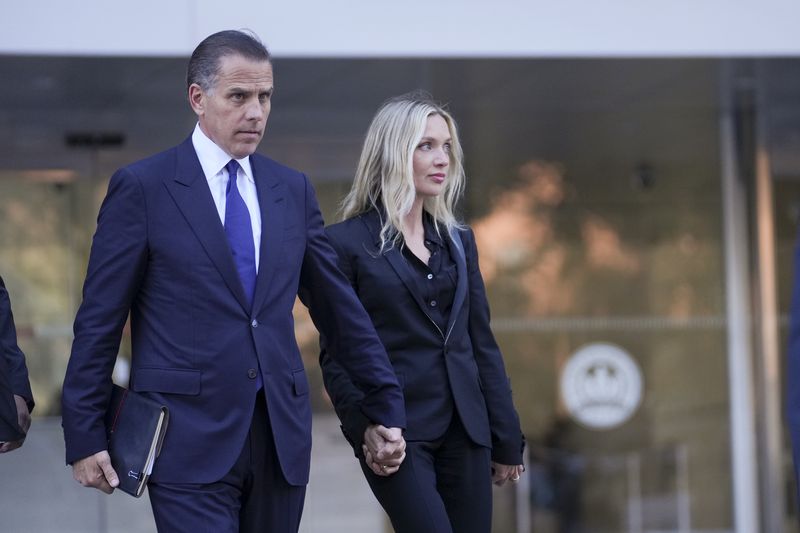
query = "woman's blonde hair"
{"x": 384, "y": 179}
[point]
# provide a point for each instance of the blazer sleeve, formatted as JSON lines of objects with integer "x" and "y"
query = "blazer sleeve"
{"x": 345, "y": 396}
{"x": 11, "y": 353}
{"x": 117, "y": 263}
{"x": 507, "y": 440}
{"x": 347, "y": 330}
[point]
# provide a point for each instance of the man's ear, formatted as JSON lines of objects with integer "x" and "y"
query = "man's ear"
{"x": 197, "y": 99}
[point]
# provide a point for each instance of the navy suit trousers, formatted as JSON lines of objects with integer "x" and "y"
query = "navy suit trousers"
{"x": 253, "y": 497}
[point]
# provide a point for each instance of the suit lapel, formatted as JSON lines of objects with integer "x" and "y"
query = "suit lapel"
{"x": 189, "y": 189}
{"x": 271, "y": 201}
{"x": 403, "y": 270}
{"x": 462, "y": 284}
{"x": 398, "y": 263}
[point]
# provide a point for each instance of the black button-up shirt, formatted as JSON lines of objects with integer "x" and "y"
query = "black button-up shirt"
{"x": 438, "y": 278}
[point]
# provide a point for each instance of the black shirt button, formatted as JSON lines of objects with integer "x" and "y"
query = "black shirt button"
{"x": 252, "y": 373}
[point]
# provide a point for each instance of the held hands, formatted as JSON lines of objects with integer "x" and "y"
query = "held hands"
{"x": 502, "y": 473}
{"x": 384, "y": 449}
{"x": 96, "y": 471}
{"x": 24, "y": 421}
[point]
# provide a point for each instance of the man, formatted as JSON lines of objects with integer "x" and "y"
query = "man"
{"x": 793, "y": 370}
{"x": 207, "y": 244}
{"x": 16, "y": 399}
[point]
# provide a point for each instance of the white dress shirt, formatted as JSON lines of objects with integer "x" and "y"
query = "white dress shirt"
{"x": 213, "y": 160}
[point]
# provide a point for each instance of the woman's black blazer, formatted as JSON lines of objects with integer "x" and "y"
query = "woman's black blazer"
{"x": 459, "y": 369}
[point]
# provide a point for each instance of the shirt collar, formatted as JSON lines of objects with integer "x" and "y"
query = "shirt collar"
{"x": 213, "y": 158}
{"x": 430, "y": 230}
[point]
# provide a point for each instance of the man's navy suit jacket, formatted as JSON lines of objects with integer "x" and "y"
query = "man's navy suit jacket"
{"x": 13, "y": 372}
{"x": 160, "y": 252}
{"x": 793, "y": 367}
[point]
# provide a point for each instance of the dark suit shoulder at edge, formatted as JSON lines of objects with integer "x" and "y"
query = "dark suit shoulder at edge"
{"x": 144, "y": 167}
{"x": 348, "y": 229}
{"x": 345, "y": 225}
{"x": 466, "y": 233}
{"x": 261, "y": 159}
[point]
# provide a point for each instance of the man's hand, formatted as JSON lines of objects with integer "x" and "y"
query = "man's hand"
{"x": 502, "y": 473}
{"x": 24, "y": 421}
{"x": 384, "y": 449}
{"x": 96, "y": 471}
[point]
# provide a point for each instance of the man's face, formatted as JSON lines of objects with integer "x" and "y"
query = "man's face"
{"x": 234, "y": 112}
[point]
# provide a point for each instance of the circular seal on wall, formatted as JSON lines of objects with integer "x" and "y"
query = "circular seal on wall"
{"x": 601, "y": 386}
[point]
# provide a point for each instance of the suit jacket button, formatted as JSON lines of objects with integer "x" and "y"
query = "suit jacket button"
{"x": 252, "y": 373}
{"x": 254, "y": 323}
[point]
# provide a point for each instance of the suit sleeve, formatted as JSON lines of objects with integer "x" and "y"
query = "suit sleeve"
{"x": 13, "y": 356}
{"x": 116, "y": 265}
{"x": 793, "y": 371}
{"x": 507, "y": 439}
{"x": 344, "y": 324}
{"x": 345, "y": 396}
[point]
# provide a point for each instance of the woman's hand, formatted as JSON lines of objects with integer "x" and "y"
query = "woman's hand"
{"x": 502, "y": 473}
{"x": 384, "y": 449}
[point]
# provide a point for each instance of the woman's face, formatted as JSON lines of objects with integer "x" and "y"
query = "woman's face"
{"x": 432, "y": 157}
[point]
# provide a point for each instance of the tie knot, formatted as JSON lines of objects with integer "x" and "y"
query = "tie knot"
{"x": 232, "y": 167}
{"x": 233, "y": 171}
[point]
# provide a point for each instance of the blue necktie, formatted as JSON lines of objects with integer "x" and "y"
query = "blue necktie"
{"x": 239, "y": 230}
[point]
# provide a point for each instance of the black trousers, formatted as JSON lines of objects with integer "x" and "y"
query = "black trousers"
{"x": 253, "y": 497}
{"x": 443, "y": 486}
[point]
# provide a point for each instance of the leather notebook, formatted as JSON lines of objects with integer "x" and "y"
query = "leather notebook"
{"x": 135, "y": 426}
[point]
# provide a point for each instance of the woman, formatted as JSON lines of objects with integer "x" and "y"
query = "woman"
{"x": 415, "y": 269}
